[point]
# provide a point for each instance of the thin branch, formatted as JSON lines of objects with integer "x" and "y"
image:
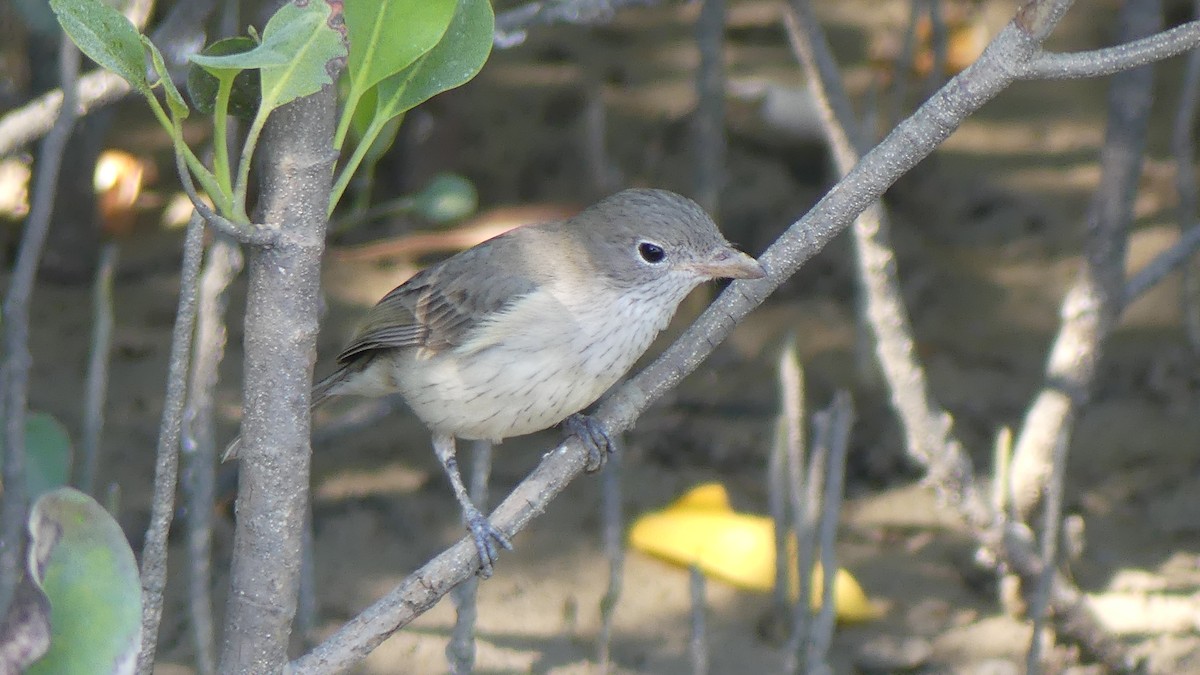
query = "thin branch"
{"x": 223, "y": 263}
{"x": 910, "y": 142}
{"x": 1183, "y": 147}
{"x": 902, "y": 68}
{"x": 512, "y": 24}
{"x": 96, "y": 387}
{"x": 1163, "y": 264}
{"x": 253, "y": 234}
{"x": 698, "y": 639}
{"x": 785, "y": 467}
{"x": 930, "y": 437}
{"x": 166, "y": 463}
{"x": 25, "y": 125}
{"x": 939, "y": 42}
{"x": 791, "y": 423}
{"x": 183, "y": 27}
{"x": 612, "y": 524}
{"x": 1093, "y": 303}
{"x": 1052, "y": 519}
{"x": 821, "y": 635}
{"x": 709, "y": 121}
{"x": 1156, "y": 47}
{"x": 14, "y": 372}
{"x": 806, "y": 514}
{"x": 460, "y": 650}
{"x": 928, "y": 428}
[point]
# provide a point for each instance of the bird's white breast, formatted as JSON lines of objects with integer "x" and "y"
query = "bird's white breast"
{"x": 548, "y": 356}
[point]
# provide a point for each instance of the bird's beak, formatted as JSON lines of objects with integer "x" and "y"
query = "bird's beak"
{"x": 726, "y": 263}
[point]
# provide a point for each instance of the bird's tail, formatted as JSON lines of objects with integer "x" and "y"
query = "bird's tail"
{"x": 321, "y": 392}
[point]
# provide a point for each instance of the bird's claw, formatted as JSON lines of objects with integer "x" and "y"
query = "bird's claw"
{"x": 488, "y": 541}
{"x": 594, "y": 437}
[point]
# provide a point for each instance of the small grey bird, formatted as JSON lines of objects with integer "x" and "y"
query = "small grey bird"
{"x": 527, "y": 329}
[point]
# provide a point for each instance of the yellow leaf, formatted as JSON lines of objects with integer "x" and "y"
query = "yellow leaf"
{"x": 702, "y": 529}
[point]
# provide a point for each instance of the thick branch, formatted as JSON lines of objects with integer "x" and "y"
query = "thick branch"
{"x": 280, "y": 347}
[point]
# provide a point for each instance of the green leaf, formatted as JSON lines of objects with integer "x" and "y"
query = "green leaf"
{"x": 304, "y": 34}
{"x": 455, "y": 60}
{"x": 204, "y": 81}
{"x": 106, "y": 36}
{"x": 174, "y": 99}
{"x": 386, "y": 36}
{"x": 47, "y": 454}
{"x": 261, "y": 56}
{"x": 79, "y": 557}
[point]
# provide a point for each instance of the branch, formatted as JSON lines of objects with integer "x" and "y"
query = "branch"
{"x": 1183, "y": 147}
{"x": 1156, "y": 47}
{"x": 280, "y": 347}
{"x": 1094, "y": 302}
{"x": 199, "y": 443}
{"x": 183, "y": 26}
{"x": 1163, "y": 264}
{"x": 166, "y": 463}
{"x": 25, "y": 125}
{"x": 251, "y": 233}
{"x": 910, "y": 142}
{"x": 512, "y": 25}
{"x": 96, "y": 389}
{"x": 14, "y": 372}
{"x": 928, "y": 427}
{"x": 708, "y": 122}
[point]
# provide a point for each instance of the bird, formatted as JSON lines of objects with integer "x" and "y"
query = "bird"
{"x": 525, "y": 330}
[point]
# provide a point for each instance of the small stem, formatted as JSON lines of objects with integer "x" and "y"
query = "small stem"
{"x": 343, "y": 127}
{"x": 243, "y": 175}
{"x": 203, "y": 175}
{"x": 221, "y": 136}
{"x": 356, "y": 158}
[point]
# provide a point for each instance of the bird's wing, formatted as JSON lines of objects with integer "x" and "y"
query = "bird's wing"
{"x": 440, "y": 307}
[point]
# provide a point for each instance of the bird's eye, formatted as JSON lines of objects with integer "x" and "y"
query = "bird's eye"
{"x": 651, "y": 253}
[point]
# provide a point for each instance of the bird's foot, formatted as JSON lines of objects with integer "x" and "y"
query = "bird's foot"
{"x": 488, "y": 541}
{"x": 595, "y": 438}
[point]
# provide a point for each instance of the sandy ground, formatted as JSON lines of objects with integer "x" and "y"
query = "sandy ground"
{"x": 988, "y": 231}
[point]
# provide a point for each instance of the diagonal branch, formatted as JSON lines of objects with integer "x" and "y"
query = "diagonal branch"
{"x": 910, "y": 142}
{"x": 928, "y": 427}
{"x": 1156, "y": 47}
